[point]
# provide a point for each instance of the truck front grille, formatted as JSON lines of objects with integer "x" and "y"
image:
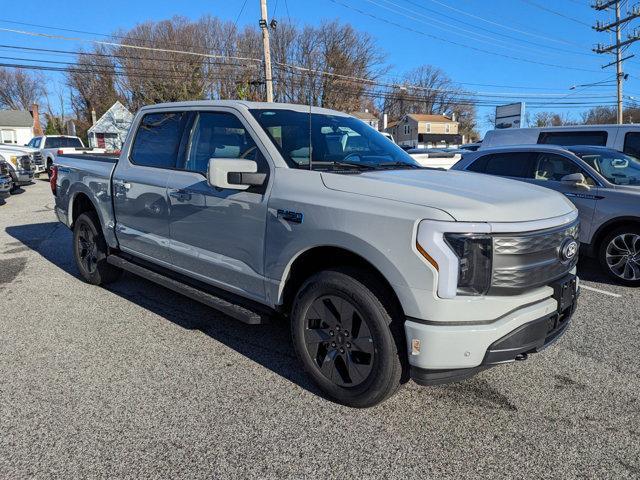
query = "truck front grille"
{"x": 25, "y": 163}
{"x": 522, "y": 261}
{"x": 37, "y": 159}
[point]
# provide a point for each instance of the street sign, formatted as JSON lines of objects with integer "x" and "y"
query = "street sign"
{"x": 510, "y": 116}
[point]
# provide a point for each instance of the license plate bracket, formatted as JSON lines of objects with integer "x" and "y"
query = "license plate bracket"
{"x": 565, "y": 291}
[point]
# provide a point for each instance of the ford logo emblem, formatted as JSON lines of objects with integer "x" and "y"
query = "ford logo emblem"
{"x": 568, "y": 250}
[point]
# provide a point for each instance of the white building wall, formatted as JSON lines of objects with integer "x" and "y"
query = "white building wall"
{"x": 22, "y": 135}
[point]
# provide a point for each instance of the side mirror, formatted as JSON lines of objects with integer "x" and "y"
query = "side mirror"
{"x": 235, "y": 174}
{"x": 576, "y": 180}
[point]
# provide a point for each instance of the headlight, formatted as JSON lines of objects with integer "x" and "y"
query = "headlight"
{"x": 474, "y": 254}
{"x": 13, "y": 159}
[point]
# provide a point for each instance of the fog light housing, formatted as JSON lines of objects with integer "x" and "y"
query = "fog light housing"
{"x": 475, "y": 254}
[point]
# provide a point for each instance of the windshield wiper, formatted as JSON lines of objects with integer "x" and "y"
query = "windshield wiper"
{"x": 390, "y": 165}
{"x": 336, "y": 163}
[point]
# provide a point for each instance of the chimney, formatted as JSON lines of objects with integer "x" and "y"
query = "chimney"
{"x": 385, "y": 119}
{"x": 93, "y": 117}
{"x": 35, "y": 113}
{"x": 453, "y": 117}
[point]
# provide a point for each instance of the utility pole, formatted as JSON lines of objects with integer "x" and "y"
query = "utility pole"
{"x": 617, "y": 47}
{"x": 264, "y": 26}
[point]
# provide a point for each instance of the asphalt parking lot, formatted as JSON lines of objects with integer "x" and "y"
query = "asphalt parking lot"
{"x": 136, "y": 381}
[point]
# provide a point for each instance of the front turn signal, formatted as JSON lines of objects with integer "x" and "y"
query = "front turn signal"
{"x": 428, "y": 257}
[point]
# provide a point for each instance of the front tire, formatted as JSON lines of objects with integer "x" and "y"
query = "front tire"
{"x": 619, "y": 255}
{"x": 90, "y": 251}
{"x": 348, "y": 337}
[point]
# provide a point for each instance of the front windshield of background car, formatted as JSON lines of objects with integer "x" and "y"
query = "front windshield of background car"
{"x": 616, "y": 167}
{"x": 337, "y": 142}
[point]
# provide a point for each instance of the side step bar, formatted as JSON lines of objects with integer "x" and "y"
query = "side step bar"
{"x": 236, "y": 311}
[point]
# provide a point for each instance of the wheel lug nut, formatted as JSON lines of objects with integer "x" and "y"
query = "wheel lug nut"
{"x": 342, "y": 350}
{"x": 333, "y": 344}
{"x": 345, "y": 333}
{"x": 348, "y": 345}
{"x": 331, "y": 333}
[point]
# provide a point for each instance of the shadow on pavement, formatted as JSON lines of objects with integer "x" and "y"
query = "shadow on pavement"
{"x": 268, "y": 345}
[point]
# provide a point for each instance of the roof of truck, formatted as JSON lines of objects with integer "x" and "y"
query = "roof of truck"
{"x": 245, "y": 104}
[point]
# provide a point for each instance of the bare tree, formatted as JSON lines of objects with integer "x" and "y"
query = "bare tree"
{"x": 20, "y": 89}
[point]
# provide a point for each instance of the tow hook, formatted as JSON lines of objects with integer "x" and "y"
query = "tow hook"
{"x": 522, "y": 356}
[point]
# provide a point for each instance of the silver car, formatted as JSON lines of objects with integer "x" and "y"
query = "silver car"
{"x": 603, "y": 183}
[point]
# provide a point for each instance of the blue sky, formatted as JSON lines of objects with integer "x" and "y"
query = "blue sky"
{"x": 406, "y": 30}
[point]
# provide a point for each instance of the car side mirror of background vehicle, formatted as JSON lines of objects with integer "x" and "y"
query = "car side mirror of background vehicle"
{"x": 576, "y": 180}
{"x": 234, "y": 173}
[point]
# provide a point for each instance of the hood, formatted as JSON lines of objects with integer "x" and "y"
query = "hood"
{"x": 16, "y": 149}
{"x": 466, "y": 196}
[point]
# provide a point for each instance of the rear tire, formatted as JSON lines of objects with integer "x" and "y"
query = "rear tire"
{"x": 90, "y": 251}
{"x": 619, "y": 255}
{"x": 348, "y": 337}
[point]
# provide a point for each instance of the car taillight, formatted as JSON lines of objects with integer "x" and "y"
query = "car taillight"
{"x": 53, "y": 178}
{"x": 60, "y": 152}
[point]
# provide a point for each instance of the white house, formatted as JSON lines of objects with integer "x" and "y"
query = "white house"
{"x": 111, "y": 128}
{"x": 16, "y": 127}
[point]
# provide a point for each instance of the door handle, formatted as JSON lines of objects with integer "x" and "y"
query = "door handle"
{"x": 180, "y": 195}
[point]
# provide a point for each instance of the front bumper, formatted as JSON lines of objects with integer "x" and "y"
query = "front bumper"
{"x": 441, "y": 353}
{"x": 23, "y": 177}
{"x": 38, "y": 169}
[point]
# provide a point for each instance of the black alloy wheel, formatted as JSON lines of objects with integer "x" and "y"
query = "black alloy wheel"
{"x": 339, "y": 340}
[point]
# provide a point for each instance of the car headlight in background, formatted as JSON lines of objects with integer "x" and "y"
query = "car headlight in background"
{"x": 14, "y": 160}
{"x": 475, "y": 253}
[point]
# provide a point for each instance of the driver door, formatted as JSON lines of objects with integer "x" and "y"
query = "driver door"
{"x": 217, "y": 235}
{"x": 548, "y": 170}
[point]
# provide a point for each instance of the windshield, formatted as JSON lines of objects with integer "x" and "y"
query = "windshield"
{"x": 337, "y": 142}
{"x": 63, "y": 142}
{"x": 616, "y": 167}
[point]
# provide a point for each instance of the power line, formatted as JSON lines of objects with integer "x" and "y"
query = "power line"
{"x": 478, "y": 27}
{"x": 468, "y": 47}
{"x": 559, "y": 14}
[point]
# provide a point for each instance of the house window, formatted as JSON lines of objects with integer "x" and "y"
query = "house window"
{"x": 428, "y": 128}
{"x": 407, "y": 130}
{"x": 8, "y": 136}
{"x": 447, "y": 128}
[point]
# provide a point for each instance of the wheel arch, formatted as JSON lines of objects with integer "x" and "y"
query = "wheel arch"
{"x": 608, "y": 227}
{"x": 318, "y": 258}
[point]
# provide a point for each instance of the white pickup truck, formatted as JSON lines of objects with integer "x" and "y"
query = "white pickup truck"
{"x": 52, "y": 145}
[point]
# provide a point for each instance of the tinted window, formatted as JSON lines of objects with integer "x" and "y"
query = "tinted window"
{"x": 573, "y": 138}
{"x": 158, "y": 139}
{"x": 632, "y": 144}
{"x": 517, "y": 164}
{"x": 62, "y": 142}
{"x": 331, "y": 139}
{"x": 618, "y": 168}
{"x": 552, "y": 167}
{"x": 220, "y": 135}
{"x": 479, "y": 165}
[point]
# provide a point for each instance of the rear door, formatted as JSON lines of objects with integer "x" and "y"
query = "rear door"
{"x": 218, "y": 234}
{"x": 548, "y": 170}
{"x": 140, "y": 182}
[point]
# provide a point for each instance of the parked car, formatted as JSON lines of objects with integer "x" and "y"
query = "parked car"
{"x": 37, "y": 163}
{"x": 51, "y": 145}
{"x": 6, "y": 182}
{"x": 436, "y": 157}
{"x": 624, "y": 138}
{"x": 603, "y": 183}
{"x": 384, "y": 269}
{"x": 19, "y": 166}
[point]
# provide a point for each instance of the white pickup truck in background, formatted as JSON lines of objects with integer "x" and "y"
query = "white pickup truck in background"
{"x": 52, "y": 145}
